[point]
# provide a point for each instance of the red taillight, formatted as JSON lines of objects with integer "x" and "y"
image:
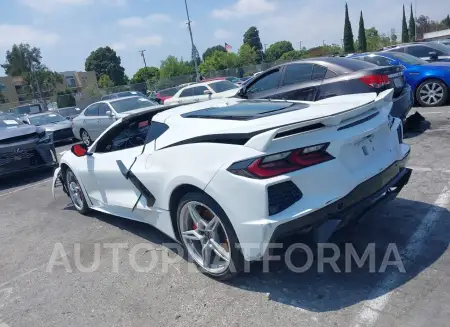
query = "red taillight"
{"x": 375, "y": 81}
{"x": 282, "y": 163}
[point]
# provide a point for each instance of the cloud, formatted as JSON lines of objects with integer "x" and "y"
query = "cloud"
{"x": 118, "y": 46}
{"x": 245, "y": 8}
{"x": 148, "y": 40}
{"x": 48, "y": 6}
{"x": 13, "y": 34}
{"x": 137, "y": 21}
{"x": 222, "y": 34}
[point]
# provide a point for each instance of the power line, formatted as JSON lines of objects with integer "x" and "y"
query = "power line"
{"x": 143, "y": 57}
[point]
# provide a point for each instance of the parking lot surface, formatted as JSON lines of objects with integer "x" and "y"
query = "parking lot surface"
{"x": 32, "y": 223}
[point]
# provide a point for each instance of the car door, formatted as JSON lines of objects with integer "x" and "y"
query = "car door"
{"x": 103, "y": 171}
{"x": 90, "y": 119}
{"x": 264, "y": 85}
{"x": 199, "y": 95}
{"x": 186, "y": 96}
{"x": 104, "y": 120}
{"x": 301, "y": 81}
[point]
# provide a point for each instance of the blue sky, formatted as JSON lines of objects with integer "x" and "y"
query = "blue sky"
{"x": 68, "y": 30}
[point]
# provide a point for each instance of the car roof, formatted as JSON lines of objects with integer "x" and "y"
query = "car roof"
{"x": 120, "y": 99}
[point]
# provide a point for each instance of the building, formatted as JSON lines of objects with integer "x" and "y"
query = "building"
{"x": 436, "y": 35}
{"x": 15, "y": 90}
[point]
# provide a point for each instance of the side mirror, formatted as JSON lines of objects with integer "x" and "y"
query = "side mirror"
{"x": 77, "y": 109}
{"x": 207, "y": 92}
{"x": 80, "y": 150}
{"x": 68, "y": 118}
{"x": 109, "y": 113}
{"x": 433, "y": 55}
{"x": 25, "y": 122}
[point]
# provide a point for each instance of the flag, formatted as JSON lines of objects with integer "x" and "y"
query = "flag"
{"x": 228, "y": 47}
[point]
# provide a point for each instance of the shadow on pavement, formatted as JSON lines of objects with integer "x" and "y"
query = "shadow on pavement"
{"x": 415, "y": 125}
{"x": 24, "y": 178}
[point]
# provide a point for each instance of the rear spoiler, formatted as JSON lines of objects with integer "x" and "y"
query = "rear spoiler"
{"x": 352, "y": 106}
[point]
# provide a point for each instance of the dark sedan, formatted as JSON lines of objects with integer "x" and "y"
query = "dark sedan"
{"x": 58, "y": 127}
{"x": 68, "y": 112}
{"x": 320, "y": 78}
{"x": 24, "y": 147}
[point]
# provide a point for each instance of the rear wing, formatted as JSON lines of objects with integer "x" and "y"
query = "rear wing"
{"x": 351, "y": 106}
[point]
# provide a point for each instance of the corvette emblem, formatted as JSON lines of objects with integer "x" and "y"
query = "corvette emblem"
{"x": 18, "y": 150}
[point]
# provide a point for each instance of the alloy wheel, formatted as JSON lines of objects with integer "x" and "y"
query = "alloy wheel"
{"x": 75, "y": 192}
{"x": 431, "y": 93}
{"x": 205, "y": 237}
{"x": 85, "y": 138}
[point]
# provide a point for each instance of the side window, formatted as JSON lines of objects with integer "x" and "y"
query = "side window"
{"x": 156, "y": 130}
{"x": 402, "y": 50}
{"x": 330, "y": 74}
{"x": 198, "y": 90}
{"x": 186, "y": 92}
{"x": 92, "y": 110}
{"x": 420, "y": 51}
{"x": 319, "y": 72}
{"x": 102, "y": 109}
{"x": 266, "y": 82}
{"x": 379, "y": 61}
{"x": 297, "y": 73}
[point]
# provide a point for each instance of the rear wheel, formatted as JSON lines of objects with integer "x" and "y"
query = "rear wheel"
{"x": 85, "y": 137}
{"x": 432, "y": 93}
{"x": 76, "y": 193}
{"x": 208, "y": 236}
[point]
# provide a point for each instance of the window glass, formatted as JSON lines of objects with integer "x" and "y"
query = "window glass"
{"x": 92, "y": 110}
{"x": 124, "y": 136}
{"x": 297, "y": 73}
{"x": 127, "y": 104}
{"x": 378, "y": 60}
{"x": 319, "y": 72}
{"x": 186, "y": 92}
{"x": 168, "y": 92}
{"x": 266, "y": 82}
{"x": 408, "y": 59}
{"x": 223, "y": 86}
{"x": 419, "y": 51}
{"x": 102, "y": 109}
{"x": 46, "y": 119}
{"x": 198, "y": 90}
{"x": 401, "y": 50}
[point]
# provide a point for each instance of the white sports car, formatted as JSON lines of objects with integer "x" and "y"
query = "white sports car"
{"x": 229, "y": 176}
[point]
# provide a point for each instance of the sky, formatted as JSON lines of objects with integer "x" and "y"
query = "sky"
{"x": 67, "y": 31}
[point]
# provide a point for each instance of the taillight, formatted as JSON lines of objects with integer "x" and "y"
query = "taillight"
{"x": 282, "y": 163}
{"x": 375, "y": 81}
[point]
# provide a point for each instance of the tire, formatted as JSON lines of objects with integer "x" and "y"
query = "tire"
{"x": 436, "y": 90}
{"x": 224, "y": 230}
{"x": 85, "y": 138}
{"x": 79, "y": 200}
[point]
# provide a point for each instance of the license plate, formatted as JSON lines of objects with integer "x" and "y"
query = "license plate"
{"x": 366, "y": 145}
{"x": 398, "y": 82}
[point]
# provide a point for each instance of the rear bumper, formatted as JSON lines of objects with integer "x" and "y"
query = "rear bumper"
{"x": 402, "y": 104}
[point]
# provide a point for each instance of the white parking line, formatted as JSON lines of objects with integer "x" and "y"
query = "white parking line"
{"x": 368, "y": 316}
{"x": 25, "y": 187}
{"x": 426, "y": 169}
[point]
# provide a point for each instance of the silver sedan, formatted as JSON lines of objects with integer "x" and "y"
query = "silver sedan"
{"x": 97, "y": 117}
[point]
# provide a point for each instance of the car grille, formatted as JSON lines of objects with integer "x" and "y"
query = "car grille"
{"x": 282, "y": 196}
{"x": 62, "y": 134}
{"x": 19, "y": 138}
{"x": 19, "y": 160}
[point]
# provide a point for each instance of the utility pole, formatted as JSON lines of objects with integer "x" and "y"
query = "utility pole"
{"x": 194, "y": 49}
{"x": 300, "y": 45}
{"x": 415, "y": 17}
{"x": 265, "y": 47}
{"x": 323, "y": 42}
{"x": 143, "y": 57}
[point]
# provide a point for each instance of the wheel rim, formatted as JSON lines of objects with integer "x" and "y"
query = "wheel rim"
{"x": 205, "y": 237}
{"x": 85, "y": 138}
{"x": 431, "y": 93}
{"x": 76, "y": 194}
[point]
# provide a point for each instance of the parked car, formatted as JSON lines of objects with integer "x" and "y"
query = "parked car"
{"x": 321, "y": 78}
{"x": 58, "y": 127}
{"x": 204, "y": 92}
{"x": 97, "y": 117}
{"x": 123, "y": 95}
{"x": 165, "y": 94}
{"x": 28, "y": 109}
{"x": 429, "y": 81}
{"x": 227, "y": 177}
{"x": 24, "y": 147}
{"x": 68, "y": 112}
{"x": 429, "y": 51}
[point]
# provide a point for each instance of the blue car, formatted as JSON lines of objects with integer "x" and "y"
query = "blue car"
{"x": 430, "y": 51}
{"x": 429, "y": 81}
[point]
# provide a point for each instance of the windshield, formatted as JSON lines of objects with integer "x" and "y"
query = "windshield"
{"x": 124, "y": 105}
{"x": 441, "y": 47}
{"x": 223, "y": 86}
{"x": 29, "y": 109}
{"x": 46, "y": 119}
{"x": 69, "y": 111}
{"x": 168, "y": 92}
{"x": 130, "y": 93}
{"x": 7, "y": 120}
{"x": 232, "y": 79}
{"x": 406, "y": 58}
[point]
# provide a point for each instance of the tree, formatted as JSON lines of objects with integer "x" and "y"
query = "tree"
{"x": 105, "y": 82}
{"x": 213, "y": 49}
{"x": 446, "y": 21}
{"x": 150, "y": 74}
{"x": 247, "y": 55}
{"x": 20, "y": 58}
{"x": 276, "y": 50}
{"x": 405, "y": 34}
{"x": 219, "y": 61}
{"x": 362, "y": 42}
{"x": 42, "y": 80}
{"x": 323, "y": 50}
{"x": 349, "y": 45}
{"x": 251, "y": 37}
{"x": 105, "y": 61}
{"x": 65, "y": 99}
{"x": 171, "y": 66}
{"x": 412, "y": 26}
{"x": 293, "y": 55}
{"x": 393, "y": 37}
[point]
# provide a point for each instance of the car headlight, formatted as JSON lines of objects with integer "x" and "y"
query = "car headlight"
{"x": 45, "y": 137}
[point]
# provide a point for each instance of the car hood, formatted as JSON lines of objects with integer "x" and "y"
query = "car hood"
{"x": 229, "y": 93}
{"x": 17, "y": 130}
{"x": 127, "y": 113}
{"x": 57, "y": 126}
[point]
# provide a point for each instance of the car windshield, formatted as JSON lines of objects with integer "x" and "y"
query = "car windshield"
{"x": 7, "y": 120}
{"x": 441, "y": 47}
{"x": 406, "y": 58}
{"x": 28, "y": 109}
{"x": 130, "y": 94}
{"x": 128, "y": 104}
{"x": 69, "y": 111}
{"x": 46, "y": 119}
{"x": 223, "y": 86}
{"x": 168, "y": 92}
{"x": 232, "y": 79}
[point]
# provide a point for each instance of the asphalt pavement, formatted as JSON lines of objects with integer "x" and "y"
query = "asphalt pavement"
{"x": 33, "y": 292}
